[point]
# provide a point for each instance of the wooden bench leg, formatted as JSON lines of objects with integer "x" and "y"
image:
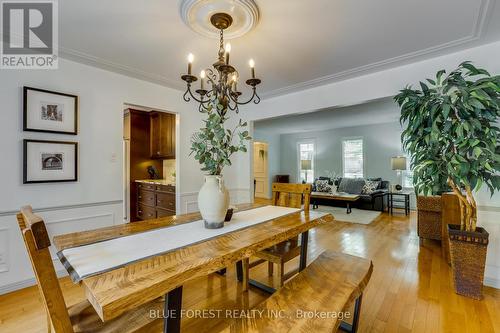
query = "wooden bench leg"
{"x": 270, "y": 267}
{"x": 281, "y": 273}
{"x": 239, "y": 271}
{"x": 355, "y": 319}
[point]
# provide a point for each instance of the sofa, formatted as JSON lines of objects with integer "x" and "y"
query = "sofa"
{"x": 370, "y": 198}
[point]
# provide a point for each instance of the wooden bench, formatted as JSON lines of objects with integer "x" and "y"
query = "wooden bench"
{"x": 327, "y": 287}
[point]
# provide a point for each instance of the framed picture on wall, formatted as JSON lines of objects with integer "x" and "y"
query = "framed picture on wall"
{"x": 50, "y": 161}
{"x": 49, "y": 111}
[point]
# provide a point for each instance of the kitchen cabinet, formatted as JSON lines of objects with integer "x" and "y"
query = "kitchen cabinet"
{"x": 162, "y": 142}
{"x": 137, "y": 156}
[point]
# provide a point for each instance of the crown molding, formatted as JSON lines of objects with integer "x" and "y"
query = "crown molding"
{"x": 111, "y": 66}
{"x": 478, "y": 26}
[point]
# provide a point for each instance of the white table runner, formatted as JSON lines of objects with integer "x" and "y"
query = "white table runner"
{"x": 87, "y": 260}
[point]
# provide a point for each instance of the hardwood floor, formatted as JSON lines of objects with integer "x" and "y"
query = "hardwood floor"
{"x": 410, "y": 289}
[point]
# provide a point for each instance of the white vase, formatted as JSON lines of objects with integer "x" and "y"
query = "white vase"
{"x": 213, "y": 202}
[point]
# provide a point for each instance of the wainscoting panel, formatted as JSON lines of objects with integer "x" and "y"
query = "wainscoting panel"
{"x": 189, "y": 200}
{"x": 17, "y": 272}
{"x": 4, "y": 250}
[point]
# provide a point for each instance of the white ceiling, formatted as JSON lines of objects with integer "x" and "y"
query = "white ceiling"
{"x": 297, "y": 44}
{"x": 374, "y": 112}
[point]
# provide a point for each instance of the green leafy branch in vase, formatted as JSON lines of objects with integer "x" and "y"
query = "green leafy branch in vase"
{"x": 213, "y": 145}
{"x": 452, "y": 134}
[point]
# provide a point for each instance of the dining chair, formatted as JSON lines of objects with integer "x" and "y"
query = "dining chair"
{"x": 81, "y": 317}
{"x": 285, "y": 195}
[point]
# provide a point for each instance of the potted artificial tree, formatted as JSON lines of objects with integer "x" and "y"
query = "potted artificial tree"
{"x": 213, "y": 145}
{"x": 450, "y": 133}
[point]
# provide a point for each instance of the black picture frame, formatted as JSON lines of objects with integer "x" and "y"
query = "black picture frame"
{"x": 25, "y": 161}
{"x": 25, "y": 111}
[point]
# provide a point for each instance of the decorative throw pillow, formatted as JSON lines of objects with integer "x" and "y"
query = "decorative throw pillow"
{"x": 370, "y": 186}
{"x": 322, "y": 186}
{"x": 351, "y": 185}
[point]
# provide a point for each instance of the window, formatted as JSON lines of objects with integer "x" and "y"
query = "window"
{"x": 352, "y": 158}
{"x": 306, "y": 162}
{"x": 408, "y": 174}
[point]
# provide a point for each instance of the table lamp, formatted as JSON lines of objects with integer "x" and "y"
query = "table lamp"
{"x": 398, "y": 163}
{"x": 305, "y": 165}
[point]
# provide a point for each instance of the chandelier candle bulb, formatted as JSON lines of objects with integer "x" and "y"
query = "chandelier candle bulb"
{"x": 202, "y": 79}
{"x": 235, "y": 81}
{"x": 252, "y": 67}
{"x": 228, "y": 51}
{"x": 190, "y": 62}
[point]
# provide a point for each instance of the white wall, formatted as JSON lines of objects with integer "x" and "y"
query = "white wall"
{"x": 96, "y": 199}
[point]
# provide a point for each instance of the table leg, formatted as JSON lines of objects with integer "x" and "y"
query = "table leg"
{"x": 172, "y": 313}
{"x": 303, "y": 250}
{"x": 349, "y": 210}
{"x": 391, "y": 203}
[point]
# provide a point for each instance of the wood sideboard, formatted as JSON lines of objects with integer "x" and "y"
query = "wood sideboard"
{"x": 154, "y": 200}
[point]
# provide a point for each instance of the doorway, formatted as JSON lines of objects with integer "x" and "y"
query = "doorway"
{"x": 150, "y": 164}
{"x": 260, "y": 170}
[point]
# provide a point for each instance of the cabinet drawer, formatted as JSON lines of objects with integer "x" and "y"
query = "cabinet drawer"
{"x": 146, "y": 186}
{"x": 165, "y": 188}
{"x": 146, "y": 197}
{"x": 164, "y": 212}
{"x": 166, "y": 201}
{"x": 145, "y": 213}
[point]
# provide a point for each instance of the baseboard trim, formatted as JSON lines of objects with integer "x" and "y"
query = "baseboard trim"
{"x": 488, "y": 208}
{"x": 8, "y": 288}
{"x": 491, "y": 282}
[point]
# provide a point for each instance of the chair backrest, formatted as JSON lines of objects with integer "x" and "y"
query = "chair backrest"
{"x": 291, "y": 195}
{"x": 37, "y": 244}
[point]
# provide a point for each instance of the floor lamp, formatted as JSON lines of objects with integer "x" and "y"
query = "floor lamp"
{"x": 398, "y": 163}
{"x": 305, "y": 165}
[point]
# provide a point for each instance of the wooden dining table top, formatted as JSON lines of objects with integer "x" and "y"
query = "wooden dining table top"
{"x": 119, "y": 290}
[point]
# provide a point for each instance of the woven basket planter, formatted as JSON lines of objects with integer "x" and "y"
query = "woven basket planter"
{"x": 429, "y": 217}
{"x": 468, "y": 259}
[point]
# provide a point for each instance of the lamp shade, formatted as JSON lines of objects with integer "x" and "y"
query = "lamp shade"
{"x": 305, "y": 165}
{"x": 398, "y": 163}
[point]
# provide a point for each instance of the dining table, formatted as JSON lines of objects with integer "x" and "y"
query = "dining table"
{"x": 114, "y": 287}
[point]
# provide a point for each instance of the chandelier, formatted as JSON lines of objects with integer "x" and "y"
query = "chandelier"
{"x": 222, "y": 80}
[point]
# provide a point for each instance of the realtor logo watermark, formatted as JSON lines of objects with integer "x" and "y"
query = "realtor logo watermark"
{"x": 29, "y": 34}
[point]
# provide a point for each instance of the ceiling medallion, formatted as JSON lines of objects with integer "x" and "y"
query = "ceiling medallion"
{"x": 197, "y": 13}
{"x": 223, "y": 78}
